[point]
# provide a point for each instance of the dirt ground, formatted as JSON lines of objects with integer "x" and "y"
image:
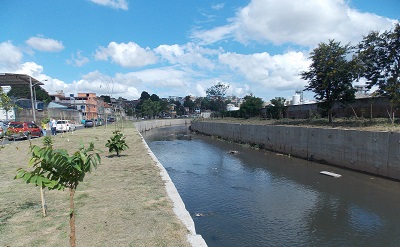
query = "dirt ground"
{"x": 121, "y": 203}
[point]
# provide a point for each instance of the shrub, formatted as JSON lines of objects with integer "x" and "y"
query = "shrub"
{"x": 117, "y": 142}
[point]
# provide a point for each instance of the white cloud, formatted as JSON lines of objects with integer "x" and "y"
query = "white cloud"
{"x": 79, "y": 60}
{"x": 189, "y": 54}
{"x": 306, "y": 22}
{"x": 270, "y": 72}
{"x": 126, "y": 55}
{"x": 218, "y": 6}
{"x": 10, "y": 55}
{"x": 116, "y": 4}
{"x": 44, "y": 44}
{"x": 214, "y": 35}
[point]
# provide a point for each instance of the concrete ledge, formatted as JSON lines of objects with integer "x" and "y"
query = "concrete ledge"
{"x": 194, "y": 239}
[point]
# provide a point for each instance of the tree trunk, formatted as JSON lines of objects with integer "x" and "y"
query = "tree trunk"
{"x": 44, "y": 206}
{"x": 330, "y": 115}
{"x": 72, "y": 237}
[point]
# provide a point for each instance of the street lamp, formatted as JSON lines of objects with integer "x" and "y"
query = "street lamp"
{"x": 33, "y": 103}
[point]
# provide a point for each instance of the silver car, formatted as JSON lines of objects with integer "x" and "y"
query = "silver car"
{"x": 65, "y": 126}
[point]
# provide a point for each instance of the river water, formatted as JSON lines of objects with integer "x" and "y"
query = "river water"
{"x": 260, "y": 198}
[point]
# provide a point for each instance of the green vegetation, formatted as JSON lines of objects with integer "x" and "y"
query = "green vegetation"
{"x": 56, "y": 170}
{"x": 331, "y": 75}
{"x": 251, "y": 106}
{"x": 24, "y": 92}
{"x": 379, "y": 57}
{"x": 277, "y": 108}
{"x": 117, "y": 143}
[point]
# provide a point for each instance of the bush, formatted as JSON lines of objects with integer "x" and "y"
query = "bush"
{"x": 117, "y": 142}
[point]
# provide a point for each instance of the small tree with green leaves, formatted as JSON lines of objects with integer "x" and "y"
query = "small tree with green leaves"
{"x": 117, "y": 142}
{"x": 57, "y": 170}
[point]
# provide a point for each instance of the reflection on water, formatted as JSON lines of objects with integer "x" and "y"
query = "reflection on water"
{"x": 258, "y": 198}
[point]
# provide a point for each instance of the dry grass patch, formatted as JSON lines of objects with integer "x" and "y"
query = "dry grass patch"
{"x": 122, "y": 203}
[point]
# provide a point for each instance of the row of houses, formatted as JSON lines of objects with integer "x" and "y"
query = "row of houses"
{"x": 78, "y": 107}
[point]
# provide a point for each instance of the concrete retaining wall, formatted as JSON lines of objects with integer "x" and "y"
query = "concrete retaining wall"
{"x": 373, "y": 152}
{"x": 151, "y": 124}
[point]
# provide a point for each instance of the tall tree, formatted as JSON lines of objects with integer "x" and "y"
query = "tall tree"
{"x": 379, "y": 55}
{"x": 251, "y": 106}
{"x": 154, "y": 97}
{"x": 217, "y": 94}
{"x": 277, "y": 107}
{"x": 151, "y": 108}
{"x": 189, "y": 103}
{"x": 24, "y": 92}
{"x": 144, "y": 95}
{"x": 331, "y": 75}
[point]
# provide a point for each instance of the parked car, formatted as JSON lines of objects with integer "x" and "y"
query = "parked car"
{"x": 88, "y": 124}
{"x": 23, "y": 130}
{"x": 65, "y": 126}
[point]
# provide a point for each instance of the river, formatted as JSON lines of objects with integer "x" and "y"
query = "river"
{"x": 258, "y": 198}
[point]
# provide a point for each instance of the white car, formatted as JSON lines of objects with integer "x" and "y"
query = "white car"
{"x": 65, "y": 126}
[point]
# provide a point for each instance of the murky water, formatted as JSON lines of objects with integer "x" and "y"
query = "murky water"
{"x": 259, "y": 198}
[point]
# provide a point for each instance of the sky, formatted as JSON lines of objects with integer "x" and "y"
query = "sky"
{"x": 178, "y": 48}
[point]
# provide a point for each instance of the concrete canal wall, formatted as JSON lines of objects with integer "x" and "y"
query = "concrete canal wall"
{"x": 152, "y": 124}
{"x": 373, "y": 152}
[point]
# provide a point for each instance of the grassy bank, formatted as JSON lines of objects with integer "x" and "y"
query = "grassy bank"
{"x": 376, "y": 124}
{"x": 122, "y": 203}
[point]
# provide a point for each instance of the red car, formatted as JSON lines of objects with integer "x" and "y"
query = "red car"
{"x": 23, "y": 130}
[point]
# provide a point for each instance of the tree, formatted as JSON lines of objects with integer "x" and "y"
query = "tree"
{"x": 5, "y": 102}
{"x": 154, "y": 97}
{"x": 106, "y": 98}
{"x": 56, "y": 170}
{"x": 189, "y": 103}
{"x": 276, "y": 108}
{"x": 151, "y": 108}
{"x": 144, "y": 95}
{"x": 251, "y": 106}
{"x": 217, "y": 94}
{"x": 379, "y": 55}
{"x": 24, "y": 92}
{"x": 331, "y": 75}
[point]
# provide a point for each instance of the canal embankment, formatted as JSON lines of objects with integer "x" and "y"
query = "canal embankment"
{"x": 372, "y": 152}
{"x": 178, "y": 204}
{"x": 124, "y": 202}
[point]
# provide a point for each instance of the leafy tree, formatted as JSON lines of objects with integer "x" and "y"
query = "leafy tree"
{"x": 379, "y": 55}
{"x": 331, "y": 75}
{"x": 5, "y": 102}
{"x": 56, "y": 170}
{"x": 217, "y": 94}
{"x": 154, "y": 97}
{"x": 151, "y": 108}
{"x": 277, "y": 108}
{"x": 144, "y": 96}
{"x": 251, "y": 106}
{"x": 24, "y": 92}
{"x": 117, "y": 143}
{"x": 189, "y": 103}
{"x": 106, "y": 98}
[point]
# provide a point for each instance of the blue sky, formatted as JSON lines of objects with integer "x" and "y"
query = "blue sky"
{"x": 178, "y": 48}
